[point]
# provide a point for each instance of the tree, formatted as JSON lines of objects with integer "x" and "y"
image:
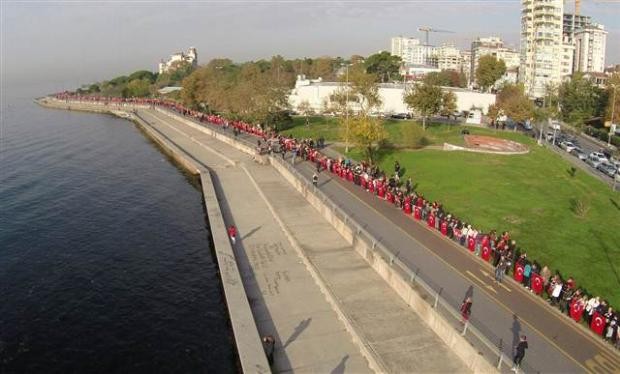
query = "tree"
{"x": 383, "y": 65}
{"x": 367, "y": 133}
{"x": 143, "y": 74}
{"x": 426, "y": 99}
{"x": 512, "y": 102}
{"x": 489, "y": 70}
{"x": 580, "y": 100}
{"x": 363, "y": 88}
{"x": 305, "y": 109}
{"x": 138, "y": 88}
{"x": 448, "y": 103}
{"x": 447, "y": 78}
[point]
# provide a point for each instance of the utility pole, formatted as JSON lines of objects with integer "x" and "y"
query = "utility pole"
{"x": 346, "y": 123}
{"x": 613, "y": 111}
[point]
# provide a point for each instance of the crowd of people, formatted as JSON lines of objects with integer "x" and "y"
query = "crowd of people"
{"x": 497, "y": 248}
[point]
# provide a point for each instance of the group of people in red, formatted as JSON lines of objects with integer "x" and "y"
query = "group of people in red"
{"x": 498, "y": 249}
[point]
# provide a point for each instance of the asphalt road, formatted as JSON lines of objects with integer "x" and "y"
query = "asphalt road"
{"x": 506, "y": 311}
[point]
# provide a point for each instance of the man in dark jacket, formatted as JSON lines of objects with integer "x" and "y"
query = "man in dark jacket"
{"x": 521, "y": 347}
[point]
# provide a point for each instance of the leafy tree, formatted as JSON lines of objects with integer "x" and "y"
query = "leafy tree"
{"x": 363, "y": 88}
{"x": 489, "y": 70}
{"x": 580, "y": 100}
{"x": 118, "y": 81}
{"x": 93, "y": 88}
{"x": 367, "y": 133}
{"x": 143, "y": 74}
{"x": 447, "y": 78}
{"x": 426, "y": 99}
{"x": 448, "y": 103}
{"x": 305, "y": 109}
{"x": 383, "y": 65}
{"x": 513, "y": 102}
{"x": 138, "y": 88}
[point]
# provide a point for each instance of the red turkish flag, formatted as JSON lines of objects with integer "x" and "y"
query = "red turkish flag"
{"x": 381, "y": 191}
{"x": 417, "y": 213}
{"x": 363, "y": 183}
{"x": 518, "y": 275}
{"x": 350, "y": 176}
{"x": 444, "y": 228}
{"x": 407, "y": 208}
{"x": 471, "y": 244}
{"x": 576, "y": 310}
{"x": 431, "y": 221}
{"x": 537, "y": 283}
{"x": 598, "y": 323}
{"x": 486, "y": 252}
{"x": 371, "y": 185}
{"x": 390, "y": 197}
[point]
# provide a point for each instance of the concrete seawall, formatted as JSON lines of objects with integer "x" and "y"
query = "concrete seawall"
{"x": 249, "y": 347}
{"x": 397, "y": 281}
{"x": 365, "y": 247}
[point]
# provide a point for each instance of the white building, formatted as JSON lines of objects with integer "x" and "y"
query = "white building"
{"x": 411, "y": 50}
{"x": 446, "y": 57}
{"x": 542, "y": 45}
{"x": 493, "y": 46}
{"x": 590, "y": 44}
{"x": 416, "y": 72}
{"x": 191, "y": 57}
{"x": 318, "y": 93}
{"x": 567, "y": 62}
{"x": 466, "y": 66}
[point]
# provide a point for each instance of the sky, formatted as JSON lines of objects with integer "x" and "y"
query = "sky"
{"x": 64, "y": 44}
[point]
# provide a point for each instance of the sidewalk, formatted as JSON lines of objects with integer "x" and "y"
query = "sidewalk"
{"x": 286, "y": 300}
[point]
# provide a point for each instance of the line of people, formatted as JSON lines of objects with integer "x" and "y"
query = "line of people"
{"x": 499, "y": 249}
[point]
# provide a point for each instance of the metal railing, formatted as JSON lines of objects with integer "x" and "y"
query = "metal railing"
{"x": 488, "y": 344}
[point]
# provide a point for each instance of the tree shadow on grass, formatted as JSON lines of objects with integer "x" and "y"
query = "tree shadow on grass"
{"x": 610, "y": 259}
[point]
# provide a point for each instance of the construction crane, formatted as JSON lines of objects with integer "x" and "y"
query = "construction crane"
{"x": 427, "y": 30}
{"x": 577, "y": 6}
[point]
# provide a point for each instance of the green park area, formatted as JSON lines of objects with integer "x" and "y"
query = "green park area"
{"x": 567, "y": 221}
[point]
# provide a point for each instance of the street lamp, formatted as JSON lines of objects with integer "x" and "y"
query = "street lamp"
{"x": 346, "y": 109}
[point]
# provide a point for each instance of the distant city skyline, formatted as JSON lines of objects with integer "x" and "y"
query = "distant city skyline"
{"x": 68, "y": 43}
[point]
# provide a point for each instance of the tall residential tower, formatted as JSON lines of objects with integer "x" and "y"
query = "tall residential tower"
{"x": 542, "y": 45}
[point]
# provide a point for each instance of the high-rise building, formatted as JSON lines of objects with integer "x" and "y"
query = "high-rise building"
{"x": 411, "y": 50}
{"x": 447, "y": 57}
{"x": 466, "y": 66}
{"x": 572, "y": 22}
{"x": 493, "y": 46}
{"x": 590, "y": 45}
{"x": 542, "y": 45}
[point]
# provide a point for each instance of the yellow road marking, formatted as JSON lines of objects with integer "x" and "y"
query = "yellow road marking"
{"x": 502, "y": 305}
{"x": 484, "y": 284}
{"x": 493, "y": 278}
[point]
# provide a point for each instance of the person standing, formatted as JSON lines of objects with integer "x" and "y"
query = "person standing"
{"x": 315, "y": 179}
{"x": 466, "y": 310}
{"x": 269, "y": 343}
{"x": 520, "y": 353}
{"x": 232, "y": 233}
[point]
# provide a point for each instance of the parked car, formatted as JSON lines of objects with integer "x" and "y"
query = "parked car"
{"x": 607, "y": 169}
{"x": 567, "y": 146}
{"x": 402, "y": 116}
{"x": 549, "y": 136}
{"x": 595, "y": 159}
{"x": 577, "y": 152}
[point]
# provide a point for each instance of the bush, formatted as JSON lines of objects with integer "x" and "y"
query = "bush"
{"x": 414, "y": 136}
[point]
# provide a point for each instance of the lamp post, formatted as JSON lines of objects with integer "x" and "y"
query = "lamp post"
{"x": 346, "y": 109}
{"x": 613, "y": 111}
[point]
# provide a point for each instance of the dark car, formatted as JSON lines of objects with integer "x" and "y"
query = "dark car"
{"x": 401, "y": 116}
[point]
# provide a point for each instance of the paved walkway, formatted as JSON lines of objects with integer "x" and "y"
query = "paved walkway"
{"x": 285, "y": 299}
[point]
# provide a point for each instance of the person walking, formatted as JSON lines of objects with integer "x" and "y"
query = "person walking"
{"x": 232, "y": 233}
{"x": 466, "y": 310}
{"x": 315, "y": 179}
{"x": 520, "y": 353}
{"x": 269, "y": 343}
{"x": 500, "y": 270}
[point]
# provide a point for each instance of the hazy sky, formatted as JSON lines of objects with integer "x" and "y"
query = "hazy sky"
{"x": 66, "y": 43}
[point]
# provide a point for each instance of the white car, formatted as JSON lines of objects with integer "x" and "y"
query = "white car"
{"x": 595, "y": 159}
{"x": 567, "y": 146}
{"x": 607, "y": 169}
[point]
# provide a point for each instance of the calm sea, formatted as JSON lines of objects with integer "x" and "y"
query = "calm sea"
{"x": 105, "y": 264}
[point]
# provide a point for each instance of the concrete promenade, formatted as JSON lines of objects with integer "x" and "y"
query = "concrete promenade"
{"x": 328, "y": 309}
{"x": 317, "y": 296}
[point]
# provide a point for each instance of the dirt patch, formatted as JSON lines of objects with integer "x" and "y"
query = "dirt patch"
{"x": 488, "y": 143}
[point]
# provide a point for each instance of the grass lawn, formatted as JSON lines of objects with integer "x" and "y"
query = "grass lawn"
{"x": 534, "y": 197}
{"x": 329, "y": 128}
